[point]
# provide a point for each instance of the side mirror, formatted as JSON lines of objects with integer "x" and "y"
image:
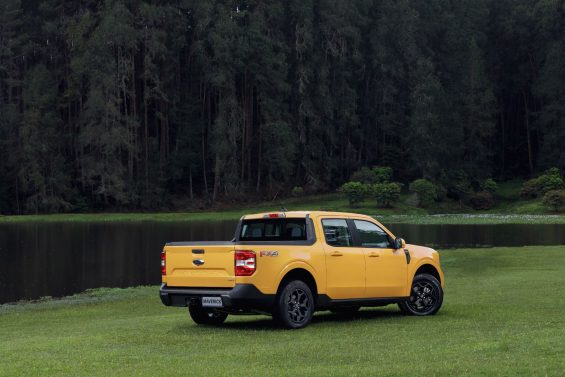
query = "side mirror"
{"x": 399, "y": 243}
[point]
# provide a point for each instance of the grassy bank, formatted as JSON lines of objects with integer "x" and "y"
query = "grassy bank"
{"x": 508, "y": 211}
{"x": 503, "y": 315}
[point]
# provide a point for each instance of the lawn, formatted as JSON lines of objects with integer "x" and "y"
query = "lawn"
{"x": 503, "y": 315}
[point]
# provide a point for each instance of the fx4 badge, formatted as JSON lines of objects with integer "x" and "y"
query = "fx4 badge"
{"x": 268, "y": 253}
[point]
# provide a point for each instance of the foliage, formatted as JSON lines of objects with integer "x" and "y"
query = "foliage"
{"x": 489, "y": 185}
{"x": 355, "y": 192}
{"x": 385, "y": 193}
{"x": 482, "y": 200}
{"x": 383, "y": 174}
{"x": 555, "y": 199}
{"x": 550, "y": 180}
{"x": 297, "y": 191}
{"x": 459, "y": 185}
{"x": 364, "y": 175}
{"x": 425, "y": 190}
{"x": 529, "y": 189}
{"x": 127, "y": 105}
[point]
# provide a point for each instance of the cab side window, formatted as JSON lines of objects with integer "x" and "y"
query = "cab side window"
{"x": 370, "y": 235}
{"x": 336, "y": 232}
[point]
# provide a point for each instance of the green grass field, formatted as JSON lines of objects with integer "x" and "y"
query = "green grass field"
{"x": 503, "y": 315}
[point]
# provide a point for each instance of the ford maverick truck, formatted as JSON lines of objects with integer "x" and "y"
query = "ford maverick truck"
{"x": 290, "y": 264}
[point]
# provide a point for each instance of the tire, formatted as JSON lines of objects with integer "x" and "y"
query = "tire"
{"x": 203, "y": 316}
{"x": 294, "y": 306}
{"x": 426, "y": 296}
{"x": 347, "y": 311}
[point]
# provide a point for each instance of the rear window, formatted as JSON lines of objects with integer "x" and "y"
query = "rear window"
{"x": 273, "y": 230}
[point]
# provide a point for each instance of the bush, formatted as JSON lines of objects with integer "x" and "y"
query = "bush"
{"x": 550, "y": 181}
{"x": 378, "y": 174}
{"x": 489, "y": 185}
{"x": 425, "y": 190}
{"x": 459, "y": 185}
{"x": 386, "y": 193}
{"x": 355, "y": 192}
{"x": 555, "y": 199}
{"x": 482, "y": 200}
{"x": 383, "y": 174}
{"x": 364, "y": 175}
{"x": 297, "y": 191}
{"x": 529, "y": 189}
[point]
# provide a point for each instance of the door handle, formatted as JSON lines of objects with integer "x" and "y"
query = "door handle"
{"x": 336, "y": 254}
{"x": 374, "y": 255}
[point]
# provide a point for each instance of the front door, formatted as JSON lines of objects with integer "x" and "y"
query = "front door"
{"x": 385, "y": 266}
{"x": 345, "y": 263}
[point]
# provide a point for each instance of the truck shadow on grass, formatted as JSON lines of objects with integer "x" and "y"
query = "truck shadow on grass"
{"x": 255, "y": 323}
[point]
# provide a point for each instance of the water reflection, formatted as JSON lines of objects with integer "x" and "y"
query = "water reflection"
{"x": 58, "y": 259}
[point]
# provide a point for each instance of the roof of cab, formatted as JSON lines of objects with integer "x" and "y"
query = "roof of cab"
{"x": 298, "y": 214}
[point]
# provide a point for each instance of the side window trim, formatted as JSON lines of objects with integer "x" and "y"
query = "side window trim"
{"x": 357, "y": 238}
{"x": 351, "y": 229}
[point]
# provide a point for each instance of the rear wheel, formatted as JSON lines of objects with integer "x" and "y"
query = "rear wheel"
{"x": 203, "y": 316}
{"x": 426, "y": 296}
{"x": 295, "y": 305}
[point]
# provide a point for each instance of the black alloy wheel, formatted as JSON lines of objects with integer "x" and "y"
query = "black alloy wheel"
{"x": 295, "y": 305}
{"x": 426, "y": 296}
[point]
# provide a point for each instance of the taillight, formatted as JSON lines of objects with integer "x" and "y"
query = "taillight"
{"x": 244, "y": 262}
{"x": 163, "y": 263}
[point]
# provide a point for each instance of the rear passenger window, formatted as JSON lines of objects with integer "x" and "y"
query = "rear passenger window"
{"x": 336, "y": 232}
{"x": 371, "y": 235}
{"x": 273, "y": 230}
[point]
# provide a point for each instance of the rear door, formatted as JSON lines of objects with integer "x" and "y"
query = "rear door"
{"x": 386, "y": 266}
{"x": 200, "y": 264}
{"x": 345, "y": 263}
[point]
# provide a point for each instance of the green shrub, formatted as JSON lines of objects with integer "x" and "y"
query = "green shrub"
{"x": 550, "y": 181}
{"x": 529, "y": 189}
{"x": 425, "y": 190}
{"x": 482, "y": 200}
{"x": 297, "y": 191}
{"x": 383, "y": 174}
{"x": 555, "y": 199}
{"x": 378, "y": 174}
{"x": 458, "y": 185}
{"x": 386, "y": 193}
{"x": 489, "y": 185}
{"x": 355, "y": 192}
{"x": 364, "y": 175}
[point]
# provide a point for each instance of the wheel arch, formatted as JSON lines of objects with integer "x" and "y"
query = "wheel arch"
{"x": 302, "y": 274}
{"x": 428, "y": 268}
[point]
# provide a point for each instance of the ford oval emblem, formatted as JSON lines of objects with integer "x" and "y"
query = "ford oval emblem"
{"x": 198, "y": 262}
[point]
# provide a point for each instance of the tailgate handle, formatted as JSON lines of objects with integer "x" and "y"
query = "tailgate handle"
{"x": 197, "y": 251}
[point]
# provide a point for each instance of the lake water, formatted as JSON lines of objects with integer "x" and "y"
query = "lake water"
{"x": 59, "y": 259}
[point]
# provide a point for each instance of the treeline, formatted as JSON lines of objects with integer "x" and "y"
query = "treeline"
{"x": 132, "y": 104}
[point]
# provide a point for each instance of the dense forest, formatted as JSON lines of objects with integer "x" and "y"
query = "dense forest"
{"x": 138, "y": 104}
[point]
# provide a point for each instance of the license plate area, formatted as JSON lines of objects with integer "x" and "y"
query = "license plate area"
{"x": 212, "y": 302}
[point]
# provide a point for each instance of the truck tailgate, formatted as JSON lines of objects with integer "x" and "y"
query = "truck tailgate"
{"x": 200, "y": 264}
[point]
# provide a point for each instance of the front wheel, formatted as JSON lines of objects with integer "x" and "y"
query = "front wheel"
{"x": 295, "y": 305}
{"x": 426, "y": 296}
{"x": 204, "y": 316}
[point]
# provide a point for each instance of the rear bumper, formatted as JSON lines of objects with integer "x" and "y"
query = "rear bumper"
{"x": 240, "y": 297}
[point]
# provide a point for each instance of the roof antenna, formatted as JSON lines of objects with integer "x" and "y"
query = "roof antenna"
{"x": 284, "y": 209}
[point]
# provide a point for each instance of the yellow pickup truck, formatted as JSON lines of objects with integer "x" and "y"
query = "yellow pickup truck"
{"x": 290, "y": 264}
